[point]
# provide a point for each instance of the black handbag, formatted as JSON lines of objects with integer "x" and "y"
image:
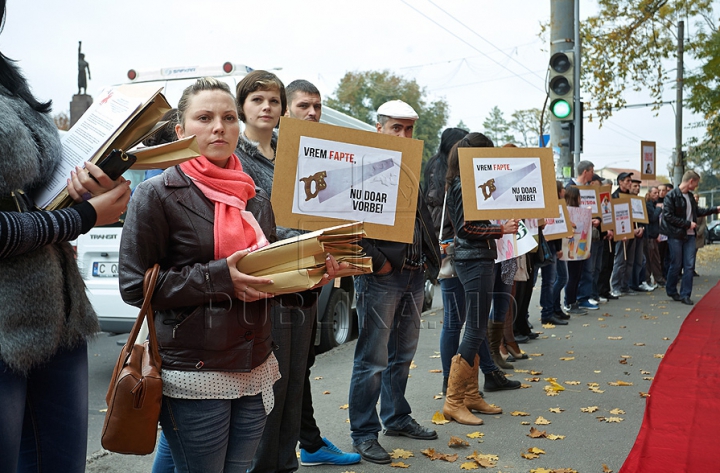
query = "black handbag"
{"x": 544, "y": 255}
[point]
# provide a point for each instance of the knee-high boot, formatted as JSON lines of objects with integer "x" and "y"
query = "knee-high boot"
{"x": 495, "y": 335}
{"x": 461, "y": 375}
{"x": 473, "y": 400}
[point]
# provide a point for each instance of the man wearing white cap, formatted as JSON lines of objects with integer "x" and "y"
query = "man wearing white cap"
{"x": 389, "y": 303}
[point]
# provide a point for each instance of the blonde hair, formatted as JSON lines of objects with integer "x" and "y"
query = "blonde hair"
{"x": 200, "y": 85}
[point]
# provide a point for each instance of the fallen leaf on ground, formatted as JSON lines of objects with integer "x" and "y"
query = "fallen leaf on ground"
{"x": 589, "y": 409}
{"x": 542, "y": 421}
{"x": 475, "y": 435}
{"x": 457, "y": 442}
{"x": 412, "y": 365}
{"x": 532, "y": 380}
{"x": 549, "y": 391}
{"x": 434, "y": 371}
{"x": 555, "y": 437}
{"x": 536, "y": 434}
{"x": 469, "y": 466}
{"x": 644, "y": 372}
{"x": 326, "y": 392}
{"x": 541, "y": 470}
{"x": 620, "y": 383}
{"x": 601, "y": 319}
{"x": 610, "y": 419}
{"x": 556, "y": 410}
{"x": 399, "y": 465}
{"x": 536, "y": 373}
{"x": 548, "y": 326}
{"x": 438, "y": 396}
{"x": 659, "y": 355}
{"x": 642, "y": 394}
{"x": 554, "y": 384}
{"x": 614, "y": 338}
{"x": 400, "y": 453}
{"x": 535, "y": 354}
{"x": 522, "y": 371}
{"x": 524, "y": 423}
{"x": 606, "y": 469}
{"x": 530, "y": 456}
{"x": 525, "y": 386}
{"x": 318, "y": 378}
{"x": 519, "y": 413}
{"x": 434, "y": 356}
{"x": 617, "y": 411}
{"x": 649, "y": 378}
{"x": 639, "y": 344}
{"x": 536, "y": 450}
{"x": 484, "y": 460}
{"x": 572, "y": 383}
{"x": 623, "y": 361}
{"x": 567, "y": 358}
{"x": 344, "y": 406}
{"x": 439, "y": 419}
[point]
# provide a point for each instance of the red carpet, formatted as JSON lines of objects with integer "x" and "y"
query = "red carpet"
{"x": 679, "y": 432}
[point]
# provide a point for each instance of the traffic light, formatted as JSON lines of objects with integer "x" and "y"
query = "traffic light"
{"x": 560, "y": 86}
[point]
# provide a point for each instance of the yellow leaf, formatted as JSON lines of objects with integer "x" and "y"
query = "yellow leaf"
{"x": 555, "y": 386}
{"x": 437, "y": 396}
{"x": 326, "y": 392}
{"x": 532, "y": 380}
{"x": 536, "y": 450}
{"x": 542, "y": 421}
{"x": 659, "y": 355}
{"x": 567, "y": 358}
{"x": 614, "y": 419}
{"x": 457, "y": 442}
{"x": 541, "y": 470}
{"x": 548, "y": 326}
{"x": 556, "y": 410}
{"x": 614, "y": 338}
{"x": 399, "y": 465}
{"x": 475, "y": 435}
{"x": 535, "y": 354}
{"x": 555, "y": 437}
{"x": 601, "y": 318}
{"x": 524, "y": 386}
{"x": 617, "y": 411}
{"x": 620, "y": 383}
{"x": 344, "y": 406}
{"x": 530, "y": 456}
{"x": 524, "y": 423}
{"x": 317, "y": 378}
{"x": 536, "y": 373}
{"x": 519, "y": 413}
{"x": 644, "y": 372}
{"x": 649, "y": 378}
{"x": 606, "y": 469}
{"x": 570, "y": 352}
{"x": 439, "y": 419}
{"x": 572, "y": 383}
{"x": 469, "y": 466}
{"x": 412, "y": 365}
{"x": 434, "y": 371}
{"x": 400, "y": 453}
{"x": 589, "y": 409}
{"x": 522, "y": 371}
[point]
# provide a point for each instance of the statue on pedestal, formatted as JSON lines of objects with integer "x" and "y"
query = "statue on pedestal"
{"x": 82, "y": 66}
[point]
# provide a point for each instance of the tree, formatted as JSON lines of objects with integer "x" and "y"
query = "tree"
{"x": 359, "y": 94}
{"x": 496, "y": 128}
{"x": 628, "y": 44}
{"x": 62, "y": 121}
{"x": 527, "y": 124}
{"x": 463, "y": 126}
{"x": 704, "y": 87}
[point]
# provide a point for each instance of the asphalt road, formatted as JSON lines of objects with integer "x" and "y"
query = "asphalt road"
{"x": 623, "y": 341}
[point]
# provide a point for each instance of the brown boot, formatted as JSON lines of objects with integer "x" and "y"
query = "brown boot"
{"x": 495, "y": 335}
{"x": 460, "y": 377}
{"x": 473, "y": 399}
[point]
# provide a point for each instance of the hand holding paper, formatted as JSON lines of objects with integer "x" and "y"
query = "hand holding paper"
{"x": 242, "y": 282}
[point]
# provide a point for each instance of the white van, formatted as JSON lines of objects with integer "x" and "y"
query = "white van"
{"x": 98, "y": 250}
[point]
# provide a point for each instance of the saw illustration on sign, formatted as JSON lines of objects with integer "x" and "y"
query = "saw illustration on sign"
{"x": 328, "y": 184}
{"x": 496, "y": 187}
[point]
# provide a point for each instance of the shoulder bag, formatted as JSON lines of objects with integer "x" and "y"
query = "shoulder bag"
{"x": 135, "y": 393}
{"x": 447, "y": 266}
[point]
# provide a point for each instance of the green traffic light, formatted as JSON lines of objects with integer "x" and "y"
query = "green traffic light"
{"x": 560, "y": 108}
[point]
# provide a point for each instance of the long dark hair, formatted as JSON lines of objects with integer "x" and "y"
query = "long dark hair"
{"x": 472, "y": 140}
{"x": 572, "y": 197}
{"x": 449, "y": 137}
{"x": 12, "y": 79}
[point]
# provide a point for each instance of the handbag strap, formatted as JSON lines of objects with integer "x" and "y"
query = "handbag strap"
{"x": 146, "y": 313}
{"x": 442, "y": 218}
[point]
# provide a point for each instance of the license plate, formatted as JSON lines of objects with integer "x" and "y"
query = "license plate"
{"x": 107, "y": 269}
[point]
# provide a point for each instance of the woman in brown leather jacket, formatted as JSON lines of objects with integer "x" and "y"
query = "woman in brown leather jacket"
{"x": 197, "y": 220}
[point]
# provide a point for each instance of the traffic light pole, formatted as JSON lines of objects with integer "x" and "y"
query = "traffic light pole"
{"x": 561, "y": 39}
{"x": 577, "y": 141}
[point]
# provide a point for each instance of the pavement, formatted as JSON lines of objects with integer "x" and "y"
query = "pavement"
{"x": 605, "y": 361}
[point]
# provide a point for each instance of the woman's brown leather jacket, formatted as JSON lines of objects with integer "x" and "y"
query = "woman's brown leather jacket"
{"x": 200, "y": 324}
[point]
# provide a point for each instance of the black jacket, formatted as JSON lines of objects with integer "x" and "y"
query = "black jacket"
{"x": 652, "y": 230}
{"x": 475, "y": 239}
{"x": 381, "y": 250}
{"x": 434, "y": 194}
{"x": 674, "y": 222}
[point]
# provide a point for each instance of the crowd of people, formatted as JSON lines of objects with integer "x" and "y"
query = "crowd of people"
{"x": 236, "y": 390}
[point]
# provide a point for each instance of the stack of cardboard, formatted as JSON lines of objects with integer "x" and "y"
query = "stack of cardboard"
{"x": 298, "y": 263}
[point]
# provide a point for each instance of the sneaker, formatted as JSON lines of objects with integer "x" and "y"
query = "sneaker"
{"x": 587, "y": 305}
{"x": 601, "y": 300}
{"x": 328, "y": 455}
{"x": 594, "y": 301}
{"x": 644, "y": 286}
{"x": 414, "y": 431}
{"x": 629, "y": 292}
{"x": 616, "y": 294}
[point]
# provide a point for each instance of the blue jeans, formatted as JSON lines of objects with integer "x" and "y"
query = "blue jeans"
{"x": 163, "y": 462}
{"x": 682, "y": 256}
{"x": 560, "y": 282}
{"x": 453, "y": 294}
{"x": 547, "y": 300}
{"x": 213, "y": 434}
{"x": 477, "y": 277}
{"x": 587, "y": 288}
{"x": 388, "y": 309}
{"x": 44, "y": 415}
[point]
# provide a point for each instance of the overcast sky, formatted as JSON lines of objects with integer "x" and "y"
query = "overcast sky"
{"x": 499, "y": 61}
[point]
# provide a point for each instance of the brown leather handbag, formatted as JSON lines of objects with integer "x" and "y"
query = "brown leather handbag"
{"x": 135, "y": 393}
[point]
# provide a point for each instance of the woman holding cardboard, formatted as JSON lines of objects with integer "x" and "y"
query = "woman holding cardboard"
{"x": 475, "y": 254}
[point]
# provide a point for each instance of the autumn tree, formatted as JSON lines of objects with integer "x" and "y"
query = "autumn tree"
{"x": 628, "y": 44}
{"x": 359, "y": 94}
{"x": 526, "y": 123}
{"x": 62, "y": 121}
{"x": 497, "y": 128}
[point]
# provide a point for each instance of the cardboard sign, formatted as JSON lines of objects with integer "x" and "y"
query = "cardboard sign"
{"x": 503, "y": 183}
{"x": 576, "y": 247}
{"x": 558, "y": 227}
{"x": 623, "y": 219}
{"x": 326, "y": 175}
{"x": 606, "y": 211}
{"x": 638, "y": 209}
{"x": 589, "y": 198}
{"x": 516, "y": 244}
{"x": 647, "y": 160}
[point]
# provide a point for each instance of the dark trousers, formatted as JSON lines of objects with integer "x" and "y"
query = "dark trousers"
{"x": 523, "y": 294}
{"x": 606, "y": 267}
{"x": 575, "y": 270}
{"x": 310, "y": 438}
{"x": 654, "y": 265}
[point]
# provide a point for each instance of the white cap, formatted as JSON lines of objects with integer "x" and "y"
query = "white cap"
{"x": 397, "y": 109}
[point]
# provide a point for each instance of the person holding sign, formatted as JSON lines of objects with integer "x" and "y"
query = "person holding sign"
{"x": 389, "y": 303}
{"x": 625, "y": 249}
{"x": 679, "y": 223}
{"x": 475, "y": 254}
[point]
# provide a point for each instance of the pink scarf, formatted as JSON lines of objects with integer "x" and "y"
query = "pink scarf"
{"x": 229, "y": 189}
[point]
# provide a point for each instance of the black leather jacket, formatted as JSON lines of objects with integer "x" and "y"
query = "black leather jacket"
{"x": 199, "y": 322}
{"x": 381, "y": 251}
{"x": 474, "y": 239}
{"x": 674, "y": 221}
